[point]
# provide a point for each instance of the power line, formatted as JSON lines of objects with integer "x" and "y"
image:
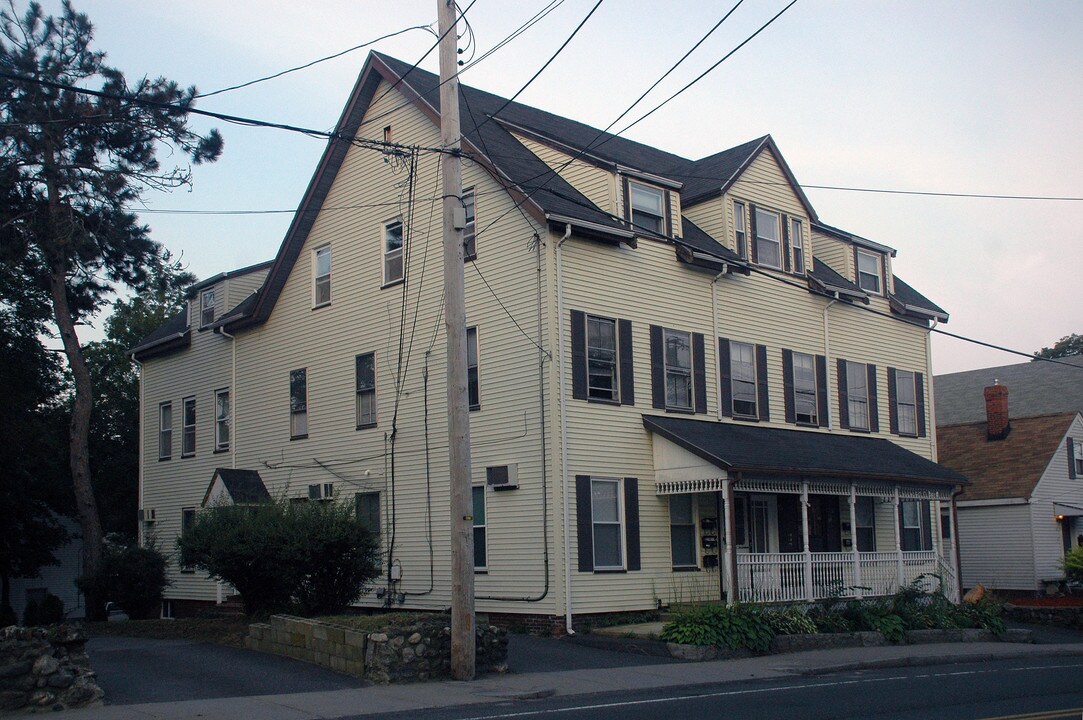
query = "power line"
{"x": 314, "y": 62}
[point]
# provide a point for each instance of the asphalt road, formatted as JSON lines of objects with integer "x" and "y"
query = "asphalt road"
{"x": 1017, "y": 689}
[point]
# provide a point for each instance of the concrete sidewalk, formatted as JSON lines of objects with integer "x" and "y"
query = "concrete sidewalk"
{"x": 497, "y": 688}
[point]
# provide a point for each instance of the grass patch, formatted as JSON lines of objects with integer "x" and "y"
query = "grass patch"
{"x": 230, "y": 630}
{"x": 381, "y": 621}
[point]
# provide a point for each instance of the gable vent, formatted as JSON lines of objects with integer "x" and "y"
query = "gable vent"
{"x": 502, "y": 477}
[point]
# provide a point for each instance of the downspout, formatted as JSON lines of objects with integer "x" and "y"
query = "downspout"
{"x": 827, "y": 359}
{"x": 714, "y": 340}
{"x": 232, "y": 401}
{"x": 142, "y": 452}
{"x": 564, "y": 434}
{"x": 932, "y": 394}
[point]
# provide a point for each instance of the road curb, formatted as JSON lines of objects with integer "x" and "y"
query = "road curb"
{"x": 533, "y": 694}
{"x": 927, "y": 660}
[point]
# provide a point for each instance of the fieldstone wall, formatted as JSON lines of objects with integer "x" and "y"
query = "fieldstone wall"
{"x": 45, "y": 669}
{"x": 1057, "y": 616}
{"x": 409, "y": 653}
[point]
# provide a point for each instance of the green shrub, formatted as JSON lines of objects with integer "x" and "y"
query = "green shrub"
{"x": 133, "y": 577}
{"x": 50, "y": 611}
{"x": 738, "y": 626}
{"x": 312, "y": 558}
{"x": 8, "y": 616}
{"x": 1073, "y": 564}
{"x": 790, "y": 620}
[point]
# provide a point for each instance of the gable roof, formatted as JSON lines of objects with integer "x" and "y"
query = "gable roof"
{"x": 751, "y": 448}
{"x": 908, "y": 301}
{"x": 823, "y": 277}
{"x": 245, "y": 487}
{"x": 1034, "y": 388}
{"x": 173, "y": 334}
{"x": 1008, "y": 468}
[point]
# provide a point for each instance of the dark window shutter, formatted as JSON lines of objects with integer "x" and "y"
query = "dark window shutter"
{"x": 821, "y": 390}
{"x": 785, "y": 243}
{"x": 874, "y": 410}
{"x": 724, "y": 376}
{"x": 926, "y": 526}
{"x": 844, "y": 399}
{"x": 579, "y": 355}
{"x": 699, "y": 373}
{"x": 752, "y": 253}
{"x": 787, "y": 385}
{"x": 584, "y": 523}
{"x": 627, "y": 204}
{"x": 762, "y": 399}
{"x": 631, "y": 521}
{"x": 892, "y": 401}
{"x": 627, "y": 377}
{"x": 658, "y": 369}
{"x": 667, "y": 226}
{"x": 919, "y": 396}
{"x": 1071, "y": 459}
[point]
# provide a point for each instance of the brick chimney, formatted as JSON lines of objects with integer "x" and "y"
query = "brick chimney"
{"x": 996, "y": 411}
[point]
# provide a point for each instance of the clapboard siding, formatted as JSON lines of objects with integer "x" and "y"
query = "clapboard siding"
{"x": 1055, "y": 485}
{"x": 998, "y": 547}
{"x": 714, "y": 218}
{"x": 597, "y": 185}
{"x": 837, "y": 254}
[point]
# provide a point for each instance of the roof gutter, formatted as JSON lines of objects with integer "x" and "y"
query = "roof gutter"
{"x": 159, "y": 341}
{"x": 839, "y": 292}
{"x": 649, "y": 177}
{"x": 625, "y": 236}
{"x": 906, "y": 309}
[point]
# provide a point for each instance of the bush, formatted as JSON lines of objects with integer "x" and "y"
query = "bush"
{"x": 1073, "y": 564}
{"x": 131, "y": 576}
{"x": 50, "y": 611}
{"x": 313, "y": 558}
{"x": 8, "y": 616}
{"x": 790, "y": 620}
{"x": 737, "y": 626}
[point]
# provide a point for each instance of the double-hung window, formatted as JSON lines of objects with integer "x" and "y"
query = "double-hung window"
{"x": 682, "y": 530}
{"x": 857, "y": 395}
{"x": 365, "y": 370}
{"x": 865, "y": 510}
{"x": 481, "y": 561}
{"x": 165, "y": 431}
{"x": 605, "y": 508}
{"x": 1077, "y": 458}
{"x": 602, "y": 380}
{"x": 804, "y": 389}
{"x": 394, "y": 243}
{"x": 298, "y": 403}
{"x": 188, "y": 519}
{"x": 869, "y": 275}
{"x": 768, "y": 239}
{"x": 743, "y": 378}
{"x": 914, "y": 520}
{"x": 188, "y": 434}
{"x": 321, "y": 276}
{"x": 678, "y": 369}
{"x": 906, "y": 402}
{"x": 473, "y": 381}
{"x": 367, "y": 506}
{"x": 648, "y": 208}
{"x": 206, "y": 307}
{"x": 740, "y": 234}
{"x": 470, "y": 244}
{"x": 797, "y": 240}
{"x": 221, "y": 420}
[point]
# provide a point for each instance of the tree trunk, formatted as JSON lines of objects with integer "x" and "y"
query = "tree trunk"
{"x": 5, "y": 591}
{"x": 79, "y": 437}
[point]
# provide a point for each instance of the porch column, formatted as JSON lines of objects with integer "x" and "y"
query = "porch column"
{"x": 805, "y": 538}
{"x": 853, "y": 538}
{"x": 954, "y": 550}
{"x": 898, "y": 538}
{"x": 729, "y": 559}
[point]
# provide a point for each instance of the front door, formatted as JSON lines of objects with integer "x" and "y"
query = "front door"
{"x": 824, "y": 525}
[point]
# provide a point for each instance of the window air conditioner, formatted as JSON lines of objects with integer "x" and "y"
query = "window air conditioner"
{"x": 502, "y": 477}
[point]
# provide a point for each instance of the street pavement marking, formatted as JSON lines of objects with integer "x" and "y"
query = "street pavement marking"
{"x": 776, "y": 688}
{"x": 1043, "y": 715}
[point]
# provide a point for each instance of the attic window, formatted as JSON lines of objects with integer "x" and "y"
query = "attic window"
{"x": 647, "y": 208}
{"x": 387, "y": 134}
{"x": 206, "y": 307}
{"x": 869, "y": 277}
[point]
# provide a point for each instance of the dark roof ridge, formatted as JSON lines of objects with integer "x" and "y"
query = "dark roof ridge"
{"x": 228, "y": 274}
{"x": 1067, "y": 415}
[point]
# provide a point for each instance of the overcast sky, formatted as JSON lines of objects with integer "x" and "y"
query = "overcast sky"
{"x": 971, "y": 97}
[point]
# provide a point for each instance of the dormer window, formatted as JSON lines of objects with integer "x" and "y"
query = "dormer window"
{"x": 869, "y": 271}
{"x": 768, "y": 239}
{"x": 739, "y": 234}
{"x": 797, "y": 240}
{"x": 647, "y": 208}
{"x": 206, "y": 307}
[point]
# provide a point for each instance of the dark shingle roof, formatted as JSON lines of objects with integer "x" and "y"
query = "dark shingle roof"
{"x": 911, "y": 298}
{"x": 1034, "y": 388}
{"x": 166, "y": 333}
{"x": 705, "y": 177}
{"x": 696, "y": 239}
{"x": 749, "y": 448}
{"x": 1008, "y": 468}
{"x": 245, "y": 487}
{"x": 824, "y": 275}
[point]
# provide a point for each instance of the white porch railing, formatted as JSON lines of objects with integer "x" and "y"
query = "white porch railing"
{"x": 780, "y": 577}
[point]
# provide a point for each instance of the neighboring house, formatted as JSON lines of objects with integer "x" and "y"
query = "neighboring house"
{"x": 1023, "y": 508}
{"x": 56, "y": 579}
{"x": 677, "y": 388}
{"x": 1038, "y": 388}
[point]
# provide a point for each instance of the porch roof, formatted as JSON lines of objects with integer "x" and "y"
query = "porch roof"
{"x": 736, "y": 447}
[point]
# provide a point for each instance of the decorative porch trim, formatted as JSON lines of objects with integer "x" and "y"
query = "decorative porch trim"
{"x": 683, "y": 487}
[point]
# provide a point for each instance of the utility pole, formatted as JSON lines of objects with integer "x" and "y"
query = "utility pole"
{"x": 458, "y": 426}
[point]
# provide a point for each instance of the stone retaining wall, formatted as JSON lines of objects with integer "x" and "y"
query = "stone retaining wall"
{"x": 1056, "y": 616}
{"x": 415, "y": 652}
{"x": 45, "y": 669}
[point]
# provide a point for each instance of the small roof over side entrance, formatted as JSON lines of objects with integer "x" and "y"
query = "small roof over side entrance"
{"x": 240, "y": 487}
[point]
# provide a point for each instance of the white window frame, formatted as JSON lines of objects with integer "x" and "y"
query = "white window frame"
{"x": 483, "y": 527}
{"x": 394, "y": 255}
{"x": 761, "y": 240}
{"x": 919, "y": 528}
{"x": 222, "y": 419}
{"x": 367, "y": 419}
{"x": 677, "y": 371}
{"x": 740, "y": 228}
{"x": 863, "y": 274}
{"x": 649, "y": 212}
{"x": 594, "y": 358}
{"x": 865, "y": 502}
{"x": 188, "y": 429}
{"x": 360, "y": 499}
{"x": 1077, "y": 451}
{"x": 800, "y": 359}
{"x": 797, "y": 244}
{"x": 321, "y": 280}
{"x": 619, "y": 523}
{"x": 298, "y": 412}
{"x": 470, "y": 237}
{"x": 206, "y": 307}
{"x": 912, "y": 428}
{"x": 693, "y": 524}
{"x": 854, "y": 401}
{"x": 165, "y": 430}
{"x": 736, "y": 350}
{"x": 473, "y": 374}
